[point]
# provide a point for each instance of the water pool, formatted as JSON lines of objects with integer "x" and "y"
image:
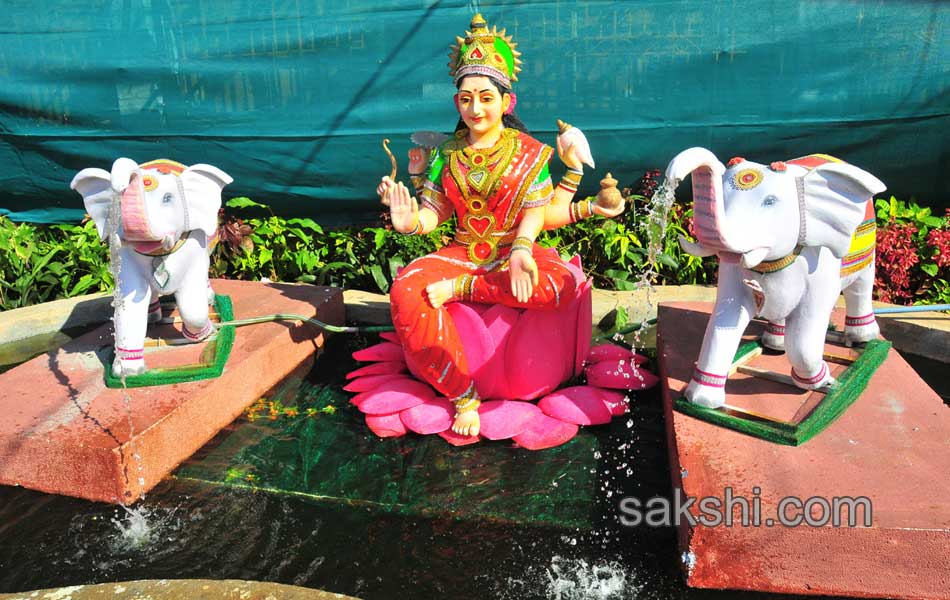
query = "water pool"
{"x": 318, "y": 501}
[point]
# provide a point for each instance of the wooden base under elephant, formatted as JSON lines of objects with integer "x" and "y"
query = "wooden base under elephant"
{"x": 65, "y": 432}
{"x": 891, "y": 447}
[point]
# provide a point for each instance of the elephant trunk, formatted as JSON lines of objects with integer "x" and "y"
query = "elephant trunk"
{"x": 709, "y": 215}
{"x": 127, "y": 179}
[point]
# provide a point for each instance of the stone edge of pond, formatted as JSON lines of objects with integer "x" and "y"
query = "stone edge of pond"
{"x": 924, "y": 334}
{"x": 180, "y": 589}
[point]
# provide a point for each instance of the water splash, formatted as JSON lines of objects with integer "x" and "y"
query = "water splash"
{"x": 657, "y": 219}
{"x": 118, "y": 302}
{"x": 576, "y": 579}
{"x": 653, "y": 224}
{"x": 135, "y": 531}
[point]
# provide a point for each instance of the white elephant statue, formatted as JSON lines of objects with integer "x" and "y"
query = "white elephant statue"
{"x": 165, "y": 218}
{"x": 790, "y": 236}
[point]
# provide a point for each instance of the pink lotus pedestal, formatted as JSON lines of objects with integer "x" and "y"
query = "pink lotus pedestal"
{"x": 548, "y": 349}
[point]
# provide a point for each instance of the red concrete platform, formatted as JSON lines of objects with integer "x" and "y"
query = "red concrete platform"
{"x": 891, "y": 446}
{"x": 62, "y": 431}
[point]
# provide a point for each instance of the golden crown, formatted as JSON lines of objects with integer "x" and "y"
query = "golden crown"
{"x": 485, "y": 52}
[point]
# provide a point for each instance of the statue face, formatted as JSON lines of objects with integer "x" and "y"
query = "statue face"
{"x": 481, "y": 105}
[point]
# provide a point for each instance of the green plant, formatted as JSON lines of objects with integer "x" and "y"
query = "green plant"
{"x": 300, "y": 250}
{"x": 38, "y": 264}
{"x": 616, "y": 253}
{"x": 913, "y": 254}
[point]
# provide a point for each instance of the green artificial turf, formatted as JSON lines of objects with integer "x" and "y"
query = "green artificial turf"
{"x": 848, "y": 387}
{"x": 216, "y": 354}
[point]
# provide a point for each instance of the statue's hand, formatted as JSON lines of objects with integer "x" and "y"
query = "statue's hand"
{"x": 524, "y": 274}
{"x": 383, "y": 190}
{"x": 609, "y": 212}
{"x": 569, "y": 154}
{"x": 403, "y": 208}
{"x": 418, "y": 157}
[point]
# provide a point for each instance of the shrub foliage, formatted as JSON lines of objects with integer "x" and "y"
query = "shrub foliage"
{"x": 42, "y": 263}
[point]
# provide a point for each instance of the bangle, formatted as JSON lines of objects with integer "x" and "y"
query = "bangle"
{"x": 462, "y": 287}
{"x": 571, "y": 180}
{"x": 581, "y": 210}
{"x": 523, "y": 243}
{"x": 417, "y": 228}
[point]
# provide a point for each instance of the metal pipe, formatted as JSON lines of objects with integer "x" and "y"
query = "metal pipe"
{"x": 911, "y": 309}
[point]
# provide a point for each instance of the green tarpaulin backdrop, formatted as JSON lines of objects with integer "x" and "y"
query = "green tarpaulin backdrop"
{"x": 292, "y": 97}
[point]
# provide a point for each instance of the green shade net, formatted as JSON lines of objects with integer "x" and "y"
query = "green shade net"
{"x": 293, "y": 98}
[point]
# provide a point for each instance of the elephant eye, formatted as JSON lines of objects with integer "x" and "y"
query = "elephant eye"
{"x": 167, "y": 198}
{"x": 769, "y": 200}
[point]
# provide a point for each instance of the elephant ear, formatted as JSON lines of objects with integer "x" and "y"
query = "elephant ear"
{"x": 95, "y": 187}
{"x": 203, "y": 185}
{"x": 836, "y": 197}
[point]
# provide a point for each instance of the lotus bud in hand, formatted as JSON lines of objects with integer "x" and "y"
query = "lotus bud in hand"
{"x": 571, "y": 137}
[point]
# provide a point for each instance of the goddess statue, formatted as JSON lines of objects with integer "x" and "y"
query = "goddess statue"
{"x": 496, "y": 180}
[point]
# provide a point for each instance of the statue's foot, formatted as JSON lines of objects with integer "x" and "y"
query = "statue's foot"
{"x": 863, "y": 329}
{"x": 467, "y": 423}
{"x": 705, "y": 395}
{"x": 774, "y": 337}
{"x": 440, "y": 292}
{"x": 199, "y": 334}
{"x": 124, "y": 367}
{"x": 821, "y": 379}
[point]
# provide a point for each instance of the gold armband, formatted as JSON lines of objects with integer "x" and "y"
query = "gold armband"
{"x": 417, "y": 181}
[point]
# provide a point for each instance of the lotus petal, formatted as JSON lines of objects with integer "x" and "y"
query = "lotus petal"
{"x": 381, "y": 351}
{"x": 617, "y": 402}
{"x": 545, "y": 432}
{"x": 386, "y": 425}
{"x": 389, "y": 367}
{"x": 502, "y": 419}
{"x": 478, "y": 345}
{"x": 372, "y": 382}
{"x": 393, "y": 397}
{"x": 581, "y": 405}
{"x": 432, "y": 416}
{"x": 602, "y": 352}
{"x": 620, "y": 375}
{"x": 538, "y": 351}
{"x": 500, "y": 320}
{"x": 458, "y": 440}
{"x": 390, "y": 336}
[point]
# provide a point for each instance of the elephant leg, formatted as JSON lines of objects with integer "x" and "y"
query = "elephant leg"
{"x": 155, "y": 308}
{"x": 859, "y": 324}
{"x": 731, "y": 315}
{"x": 774, "y": 335}
{"x": 192, "y": 300}
{"x": 805, "y": 344}
{"x": 210, "y": 294}
{"x": 131, "y": 320}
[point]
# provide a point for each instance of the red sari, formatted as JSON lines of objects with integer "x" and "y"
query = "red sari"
{"x": 488, "y": 191}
